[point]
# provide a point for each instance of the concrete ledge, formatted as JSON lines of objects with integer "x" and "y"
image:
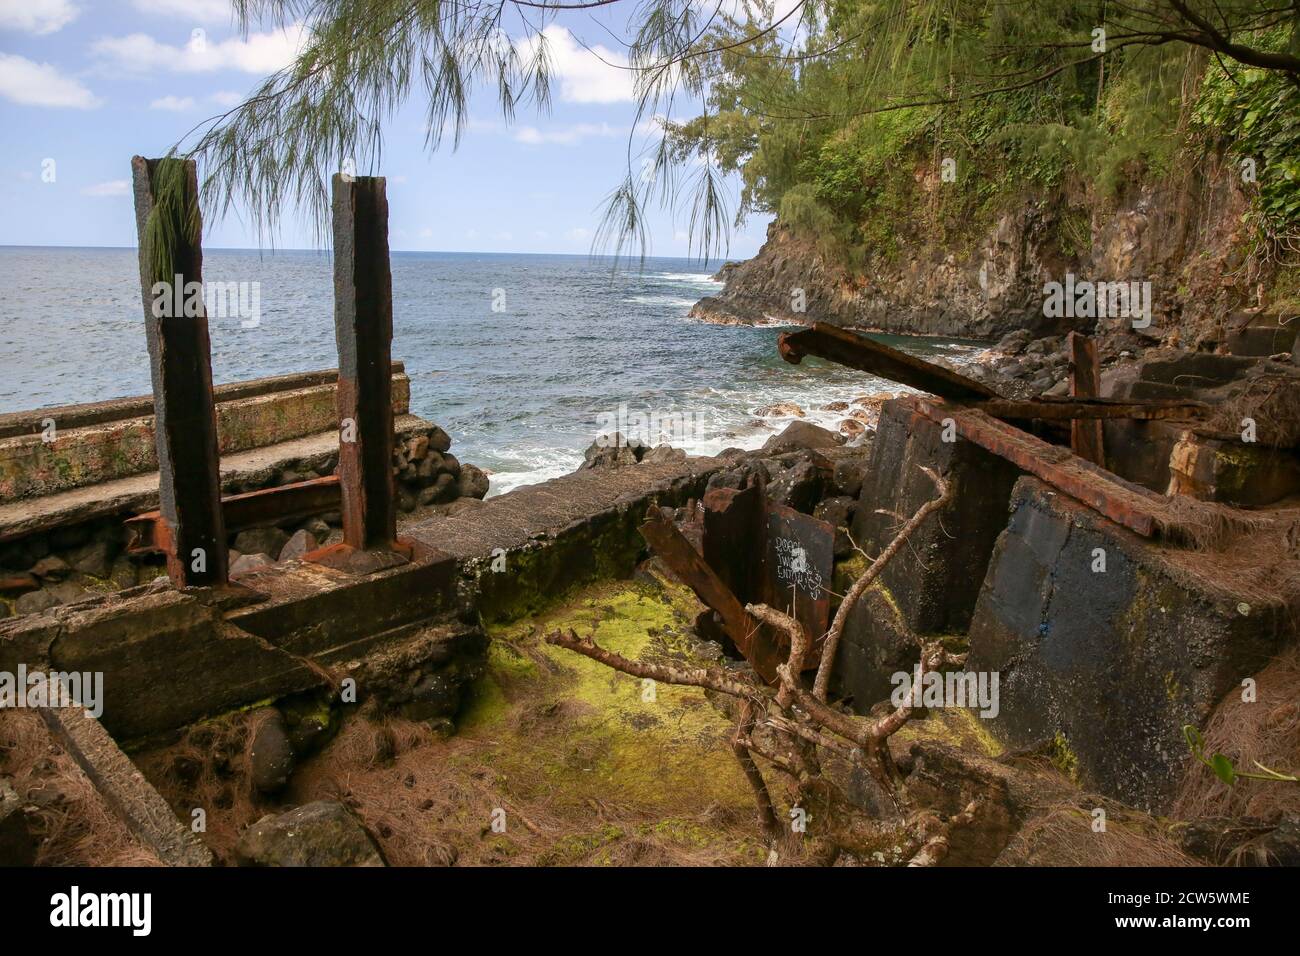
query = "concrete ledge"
{"x": 139, "y": 493}
{"x": 100, "y": 447}
{"x": 124, "y": 788}
{"x": 547, "y": 538}
{"x": 1115, "y": 662}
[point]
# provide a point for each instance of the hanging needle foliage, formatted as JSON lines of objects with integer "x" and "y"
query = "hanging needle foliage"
{"x": 727, "y": 85}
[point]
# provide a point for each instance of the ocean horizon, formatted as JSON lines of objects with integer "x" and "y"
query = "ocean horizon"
{"x": 523, "y": 357}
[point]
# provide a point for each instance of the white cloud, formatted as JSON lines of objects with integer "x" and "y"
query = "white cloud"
{"x": 176, "y": 104}
{"x": 583, "y": 77}
{"x": 114, "y": 187}
{"x": 566, "y": 135}
{"x": 578, "y": 234}
{"x": 201, "y": 11}
{"x": 227, "y": 98}
{"x": 260, "y": 53}
{"x": 36, "y": 16}
{"x": 40, "y": 84}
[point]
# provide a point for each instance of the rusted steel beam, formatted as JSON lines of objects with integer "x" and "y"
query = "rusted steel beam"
{"x": 687, "y": 563}
{"x": 363, "y": 327}
{"x": 180, "y": 366}
{"x": 1121, "y": 502}
{"x": 1067, "y": 409}
{"x": 857, "y": 351}
{"x": 1085, "y": 382}
{"x": 253, "y": 509}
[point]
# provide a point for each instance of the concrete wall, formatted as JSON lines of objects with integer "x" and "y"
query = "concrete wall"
{"x": 1110, "y": 664}
{"x": 108, "y": 440}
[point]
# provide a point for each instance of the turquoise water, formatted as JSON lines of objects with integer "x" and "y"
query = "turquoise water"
{"x": 522, "y": 390}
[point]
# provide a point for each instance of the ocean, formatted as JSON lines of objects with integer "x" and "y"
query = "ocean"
{"x": 523, "y": 359}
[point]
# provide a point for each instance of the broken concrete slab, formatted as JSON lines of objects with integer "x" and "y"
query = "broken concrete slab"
{"x": 1114, "y": 661}
{"x": 124, "y": 788}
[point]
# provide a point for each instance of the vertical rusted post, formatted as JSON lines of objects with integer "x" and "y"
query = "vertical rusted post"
{"x": 180, "y": 364}
{"x": 1085, "y": 382}
{"x": 363, "y": 326}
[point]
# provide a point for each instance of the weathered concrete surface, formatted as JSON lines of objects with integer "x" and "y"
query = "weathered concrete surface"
{"x": 139, "y": 493}
{"x": 166, "y": 658}
{"x": 124, "y": 788}
{"x": 100, "y": 448}
{"x": 936, "y": 578}
{"x": 1233, "y": 472}
{"x": 529, "y": 545}
{"x": 1115, "y": 662}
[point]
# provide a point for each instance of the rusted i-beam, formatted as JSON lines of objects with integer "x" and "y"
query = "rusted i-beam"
{"x": 687, "y": 563}
{"x": 180, "y": 365}
{"x": 363, "y": 327}
{"x": 860, "y": 352}
{"x": 1120, "y": 501}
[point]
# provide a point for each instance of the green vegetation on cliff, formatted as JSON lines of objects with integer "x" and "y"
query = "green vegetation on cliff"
{"x": 930, "y": 118}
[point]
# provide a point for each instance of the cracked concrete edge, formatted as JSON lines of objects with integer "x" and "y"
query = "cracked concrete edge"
{"x": 125, "y": 788}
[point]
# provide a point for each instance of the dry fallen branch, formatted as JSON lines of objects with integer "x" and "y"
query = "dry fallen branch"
{"x": 797, "y": 721}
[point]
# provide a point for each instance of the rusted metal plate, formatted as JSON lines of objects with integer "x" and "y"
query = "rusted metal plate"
{"x": 254, "y": 509}
{"x": 689, "y": 565}
{"x": 733, "y": 528}
{"x": 857, "y": 351}
{"x": 1085, "y": 382}
{"x": 363, "y": 327}
{"x": 180, "y": 366}
{"x": 1122, "y": 502}
{"x": 798, "y": 564}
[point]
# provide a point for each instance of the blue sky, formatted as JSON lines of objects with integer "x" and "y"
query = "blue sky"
{"x": 86, "y": 84}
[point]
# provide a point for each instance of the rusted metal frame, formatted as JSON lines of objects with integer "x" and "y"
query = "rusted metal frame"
{"x": 687, "y": 563}
{"x": 798, "y": 563}
{"x": 858, "y": 351}
{"x": 1122, "y": 503}
{"x": 1085, "y": 382}
{"x": 254, "y": 509}
{"x": 363, "y": 327}
{"x": 180, "y": 367}
{"x": 1065, "y": 409}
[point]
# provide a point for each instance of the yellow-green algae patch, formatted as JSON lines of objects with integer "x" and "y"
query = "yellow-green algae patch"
{"x": 565, "y": 729}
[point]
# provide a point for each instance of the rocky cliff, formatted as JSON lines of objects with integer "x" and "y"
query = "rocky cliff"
{"x": 1183, "y": 234}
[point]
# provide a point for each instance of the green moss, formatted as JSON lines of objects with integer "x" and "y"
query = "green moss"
{"x": 1063, "y": 758}
{"x": 582, "y": 731}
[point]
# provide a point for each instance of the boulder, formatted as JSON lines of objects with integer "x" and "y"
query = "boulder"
{"x": 799, "y": 435}
{"x": 780, "y": 410}
{"x": 299, "y": 544}
{"x": 249, "y": 562}
{"x": 838, "y": 511}
{"x": 324, "y": 833}
{"x": 270, "y": 758}
{"x": 472, "y": 483}
{"x": 51, "y": 568}
{"x": 798, "y": 487}
{"x": 13, "y": 585}
{"x": 95, "y": 559}
{"x": 265, "y": 541}
{"x": 439, "y": 440}
{"x": 664, "y": 453}
{"x": 34, "y": 602}
{"x": 613, "y": 451}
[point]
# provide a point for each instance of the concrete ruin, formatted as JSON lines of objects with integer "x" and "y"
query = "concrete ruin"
{"x": 1119, "y": 604}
